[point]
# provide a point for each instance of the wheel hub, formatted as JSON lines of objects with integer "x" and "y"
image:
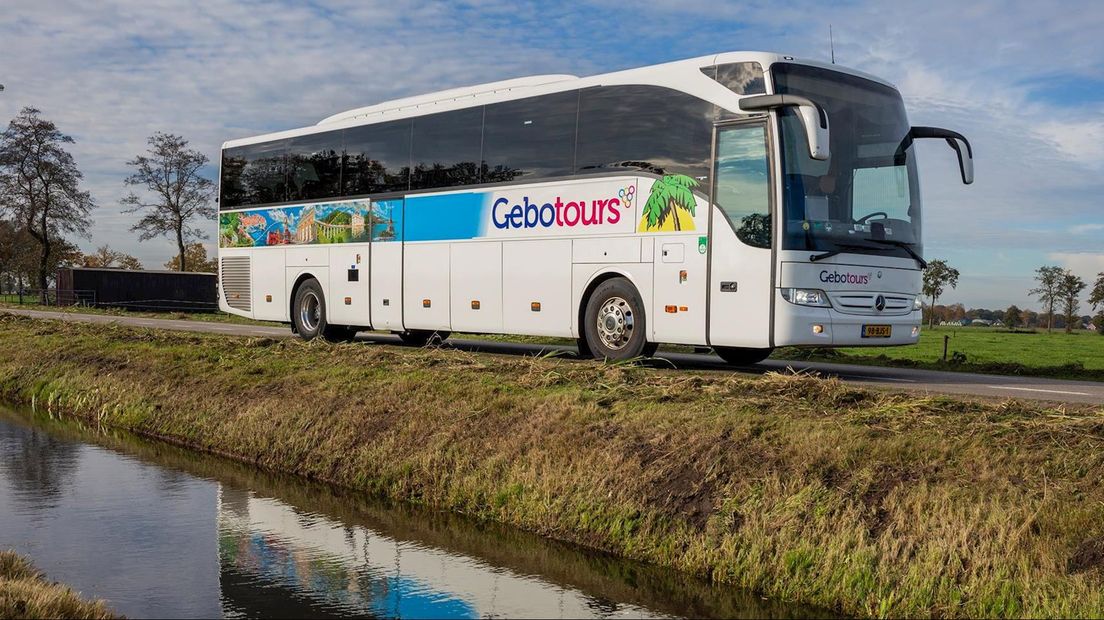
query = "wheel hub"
{"x": 310, "y": 311}
{"x": 615, "y": 323}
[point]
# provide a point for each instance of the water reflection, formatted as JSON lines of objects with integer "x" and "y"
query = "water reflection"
{"x": 37, "y": 466}
{"x": 165, "y": 532}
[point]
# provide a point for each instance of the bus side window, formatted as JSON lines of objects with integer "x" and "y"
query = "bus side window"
{"x": 446, "y": 149}
{"x": 377, "y": 158}
{"x": 314, "y": 166}
{"x": 648, "y": 128}
{"x": 263, "y": 177}
{"x": 532, "y": 137}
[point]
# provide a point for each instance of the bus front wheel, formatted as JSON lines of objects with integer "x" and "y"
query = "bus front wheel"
{"x": 614, "y": 321}
{"x": 740, "y": 356}
{"x": 309, "y": 315}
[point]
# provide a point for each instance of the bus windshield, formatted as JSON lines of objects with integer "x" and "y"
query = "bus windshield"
{"x": 865, "y": 198}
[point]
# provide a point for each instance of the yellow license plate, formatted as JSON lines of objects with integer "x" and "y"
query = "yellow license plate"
{"x": 877, "y": 331}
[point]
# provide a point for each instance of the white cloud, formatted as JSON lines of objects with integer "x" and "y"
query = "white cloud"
{"x": 1080, "y": 140}
{"x": 1083, "y": 229}
{"x": 1087, "y": 265}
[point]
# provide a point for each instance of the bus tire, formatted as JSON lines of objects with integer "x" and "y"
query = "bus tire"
{"x": 423, "y": 337}
{"x": 308, "y": 313}
{"x": 614, "y": 322}
{"x": 584, "y": 349}
{"x": 740, "y": 356}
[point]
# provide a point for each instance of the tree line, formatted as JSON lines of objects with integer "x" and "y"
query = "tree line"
{"x": 44, "y": 210}
{"x": 1058, "y": 290}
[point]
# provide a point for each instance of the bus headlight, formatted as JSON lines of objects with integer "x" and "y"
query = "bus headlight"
{"x": 806, "y": 297}
{"x": 917, "y": 303}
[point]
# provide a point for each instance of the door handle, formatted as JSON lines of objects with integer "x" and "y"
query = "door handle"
{"x": 728, "y": 287}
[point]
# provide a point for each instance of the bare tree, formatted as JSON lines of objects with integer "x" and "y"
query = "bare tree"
{"x": 1049, "y": 279}
{"x": 170, "y": 173}
{"x": 40, "y": 186}
{"x": 1069, "y": 288}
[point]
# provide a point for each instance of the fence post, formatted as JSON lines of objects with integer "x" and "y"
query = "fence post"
{"x": 946, "y": 339}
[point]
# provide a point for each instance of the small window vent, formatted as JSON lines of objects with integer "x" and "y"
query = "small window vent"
{"x": 236, "y": 288}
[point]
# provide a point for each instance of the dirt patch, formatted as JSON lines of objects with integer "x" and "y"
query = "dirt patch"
{"x": 1088, "y": 556}
{"x": 886, "y": 479}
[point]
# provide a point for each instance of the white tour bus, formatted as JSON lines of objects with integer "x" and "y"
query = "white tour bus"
{"x": 742, "y": 201}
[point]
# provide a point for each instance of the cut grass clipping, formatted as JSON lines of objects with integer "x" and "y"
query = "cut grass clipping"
{"x": 25, "y": 593}
{"x": 799, "y": 488}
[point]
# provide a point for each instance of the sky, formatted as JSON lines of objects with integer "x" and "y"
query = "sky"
{"x": 1023, "y": 80}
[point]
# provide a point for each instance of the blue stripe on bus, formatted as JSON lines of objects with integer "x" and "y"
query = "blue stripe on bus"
{"x": 441, "y": 218}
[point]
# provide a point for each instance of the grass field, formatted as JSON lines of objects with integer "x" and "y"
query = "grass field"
{"x": 25, "y": 594}
{"x": 804, "y": 489}
{"x": 1079, "y": 355}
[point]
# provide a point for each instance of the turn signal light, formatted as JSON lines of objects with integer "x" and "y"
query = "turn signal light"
{"x": 268, "y": 298}
{"x": 671, "y": 309}
{"x": 426, "y": 303}
{"x": 348, "y": 301}
{"x": 475, "y": 304}
{"x": 818, "y": 329}
{"x": 535, "y": 306}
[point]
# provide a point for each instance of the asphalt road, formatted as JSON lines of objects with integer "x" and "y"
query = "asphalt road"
{"x": 908, "y": 379}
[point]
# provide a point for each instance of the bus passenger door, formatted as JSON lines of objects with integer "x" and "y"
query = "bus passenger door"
{"x": 386, "y": 264}
{"x": 740, "y": 258}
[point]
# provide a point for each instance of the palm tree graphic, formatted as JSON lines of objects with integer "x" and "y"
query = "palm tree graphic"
{"x": 667, "y": 198}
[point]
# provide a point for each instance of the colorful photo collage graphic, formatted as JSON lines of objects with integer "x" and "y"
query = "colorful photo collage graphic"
{"x": 339, "y": 222}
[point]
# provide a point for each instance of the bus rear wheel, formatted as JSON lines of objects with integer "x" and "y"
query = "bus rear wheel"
{"x": 309, "y": 315}
{"x": 740, "y": 356}
{"x": 614, "y": 324}
{"x": 423, "y": 337}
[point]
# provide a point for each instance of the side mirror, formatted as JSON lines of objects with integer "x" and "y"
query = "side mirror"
{"x": 813, "y": 118}
{"x": 956, "y": 141}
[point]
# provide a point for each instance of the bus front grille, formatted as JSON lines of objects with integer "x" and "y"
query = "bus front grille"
{"x": 236, "y": 289}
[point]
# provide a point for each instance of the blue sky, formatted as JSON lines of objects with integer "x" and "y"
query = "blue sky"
{"x": 1024, "y": 80}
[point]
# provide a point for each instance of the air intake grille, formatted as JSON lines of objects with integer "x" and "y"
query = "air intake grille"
{"x": 854, "y": 302}
{"x": 236, "y": 289}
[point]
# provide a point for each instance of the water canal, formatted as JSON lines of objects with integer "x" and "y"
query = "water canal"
{"x": 160, "y": 531}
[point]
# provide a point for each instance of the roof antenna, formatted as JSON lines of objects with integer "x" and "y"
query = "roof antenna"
{"x": 831, "y": 44}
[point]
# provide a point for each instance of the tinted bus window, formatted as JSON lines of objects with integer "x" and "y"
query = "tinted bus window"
{"x": 533, "y": 137}
{"x": 314, "y": 166}
{"x": 377, "y": 158}
{"x": 254, "y": 174}
{"x": 231, "y": 192}
{"x": 446, "y": 149}
{"x": 649, "y": 128}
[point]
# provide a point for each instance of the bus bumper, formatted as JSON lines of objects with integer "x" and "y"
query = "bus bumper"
{"x": 807, "y": 326}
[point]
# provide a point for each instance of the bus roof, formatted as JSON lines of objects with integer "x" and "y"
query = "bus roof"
{"x": 671, "y": 74}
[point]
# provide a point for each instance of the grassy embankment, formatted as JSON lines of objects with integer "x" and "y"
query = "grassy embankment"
{"x": 1078, "y": 355}
{"x": 798, "y": 488}
{"x": 25, "y": 593}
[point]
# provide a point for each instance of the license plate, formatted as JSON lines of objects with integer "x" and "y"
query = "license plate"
{"x": 877, "y": 331}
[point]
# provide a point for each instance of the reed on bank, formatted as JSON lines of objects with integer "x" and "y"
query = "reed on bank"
{"x": 25, "y": 594}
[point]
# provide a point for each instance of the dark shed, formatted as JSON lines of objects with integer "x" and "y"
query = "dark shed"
{"x": 152, "y": 290}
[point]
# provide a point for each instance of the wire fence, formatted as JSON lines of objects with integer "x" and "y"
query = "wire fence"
{"x": 87, "y": 298}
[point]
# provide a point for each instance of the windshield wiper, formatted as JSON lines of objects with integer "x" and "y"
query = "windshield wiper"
{"x": 904, "y": 246}
{"x": 840, "y": 249}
